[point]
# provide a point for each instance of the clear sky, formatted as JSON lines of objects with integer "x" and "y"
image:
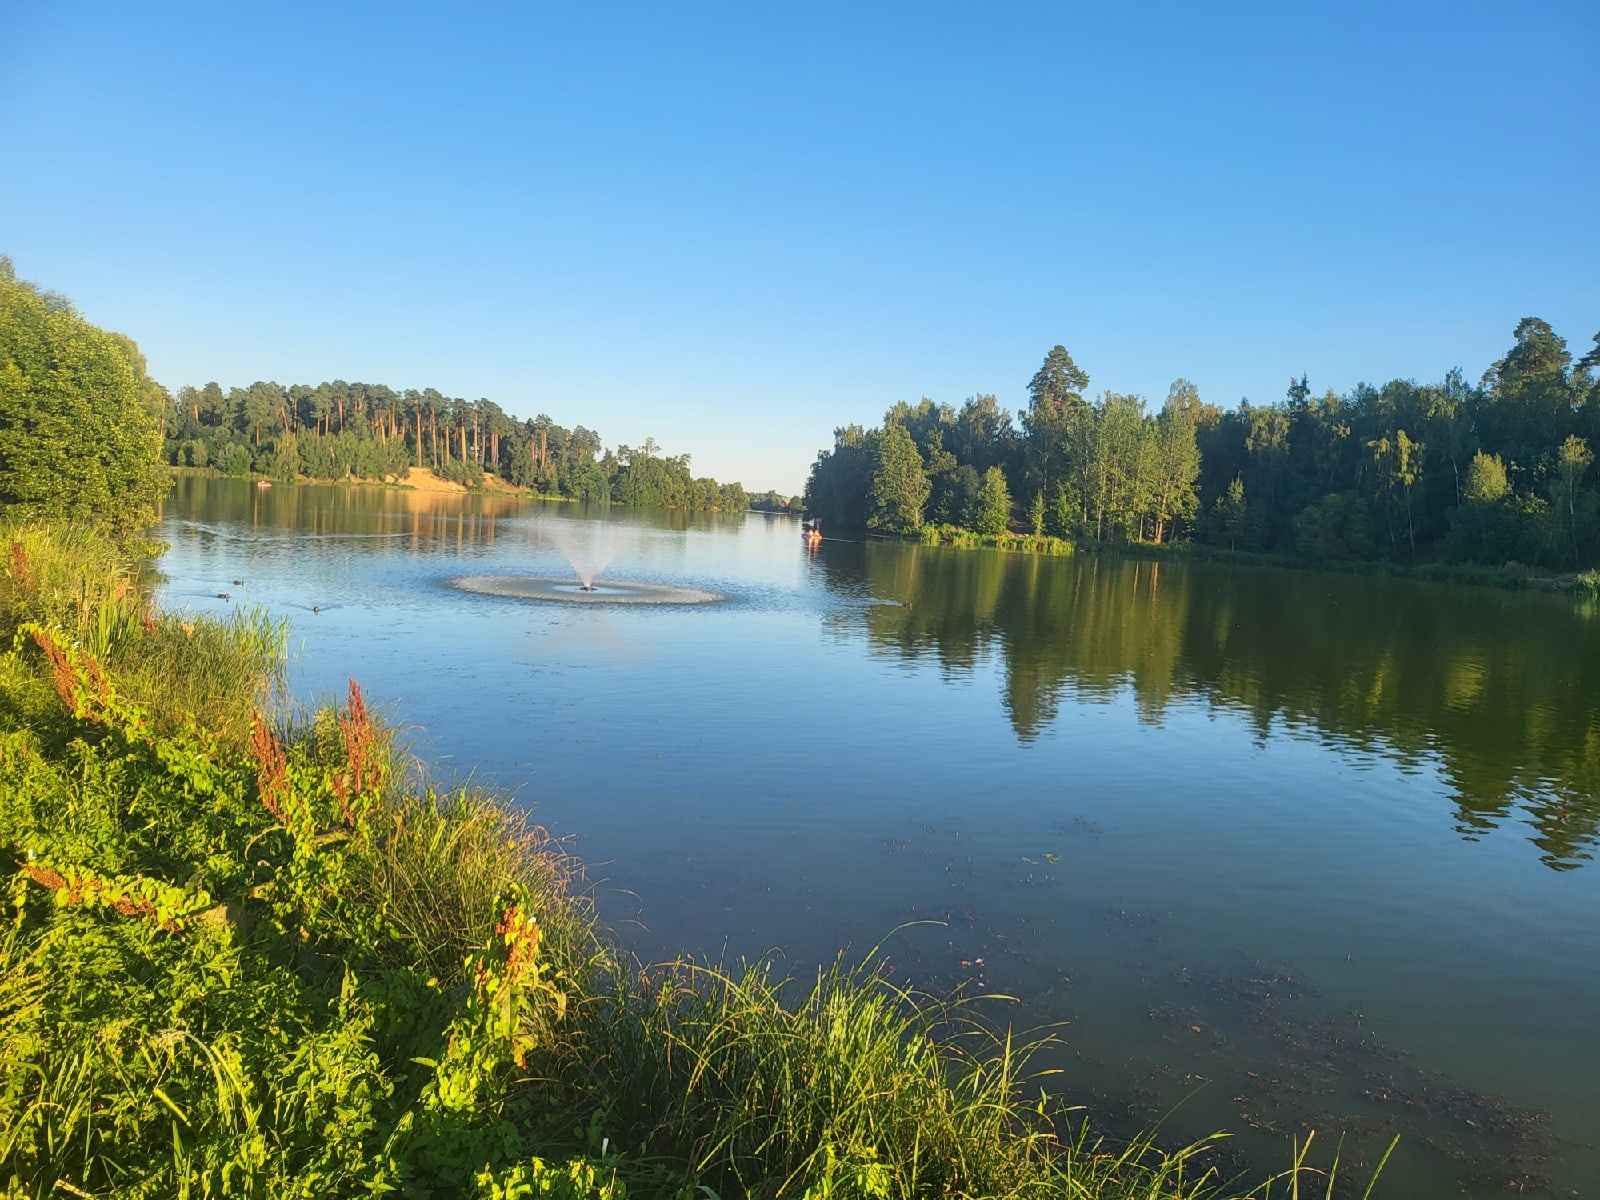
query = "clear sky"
{"x": 735, "y": 226}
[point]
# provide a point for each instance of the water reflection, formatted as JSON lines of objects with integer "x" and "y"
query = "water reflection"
{"x": 1492, "y": 689}
{"x": 425, "y": 518}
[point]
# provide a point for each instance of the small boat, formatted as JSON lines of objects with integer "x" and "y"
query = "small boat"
{"x": 811, "y": 531}
{"x": 263, "y": 484}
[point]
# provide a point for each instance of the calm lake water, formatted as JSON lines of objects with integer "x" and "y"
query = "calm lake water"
{"x": 1270, "y": 849}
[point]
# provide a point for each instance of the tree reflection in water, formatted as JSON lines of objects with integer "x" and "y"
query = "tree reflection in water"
{"x": 1494, "y": 687}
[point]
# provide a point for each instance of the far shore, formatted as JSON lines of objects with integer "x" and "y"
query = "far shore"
{"x": 417, "y": 479}
{"x": 421, "y": 479}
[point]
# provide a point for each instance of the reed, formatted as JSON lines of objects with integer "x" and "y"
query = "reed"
{"x": 740, "y": 1083}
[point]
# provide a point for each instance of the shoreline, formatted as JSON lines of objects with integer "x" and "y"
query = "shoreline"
{"x": 1507, "y": 577}
{"x": 424, "y": 480}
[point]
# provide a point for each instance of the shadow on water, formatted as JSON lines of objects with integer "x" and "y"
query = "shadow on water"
{"x": 1495, "y": 688}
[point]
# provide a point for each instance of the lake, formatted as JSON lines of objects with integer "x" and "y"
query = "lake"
{"x": 1264, "y": 849}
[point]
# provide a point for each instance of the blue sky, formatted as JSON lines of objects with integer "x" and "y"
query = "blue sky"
{"x": 733, "y": 227}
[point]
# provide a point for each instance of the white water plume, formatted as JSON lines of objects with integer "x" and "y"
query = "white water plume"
{"x": 589, "y": 550}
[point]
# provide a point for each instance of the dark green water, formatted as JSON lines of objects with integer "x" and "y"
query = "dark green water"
{"x": 1275, "y": 850}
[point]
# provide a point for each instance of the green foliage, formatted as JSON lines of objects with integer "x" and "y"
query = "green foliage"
{"x": 240, "y": 917}
{"x": 840, "y": 478}
{"x": 576, "y": 1179}
{"x": 647, "y": 478}
{"x": 1230, "y": 513}
{"x": 1433, "y": 473}
{"x": 341, "y": 430}
{"x": 1337, "y": 527}
{"x": 900, "y": 487}
{"x": 851, "y": 1088}
{"x": 1104, "y": 472}
{"x": 1017, "y": 543}
{"x": 993, "y": 508}
{"x": 1486, "y": 480}
{"x": 776, "y": 502}
{"x": 78, "y": 437}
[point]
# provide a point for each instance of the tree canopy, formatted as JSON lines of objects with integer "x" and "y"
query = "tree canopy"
{"x": 1498, "y": 472}
{"x": 340, "y": 430}
{"x": 80, "y": 433}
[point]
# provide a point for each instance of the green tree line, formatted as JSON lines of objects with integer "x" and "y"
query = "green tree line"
{"x": 776, "y": 502}
{"x": 79, "y": 416}
{"x": 84, "y": 430}
{"x": 339, "y": 430}
{"x": 1105, "y": 469}
{"x": 1495, "y": 472}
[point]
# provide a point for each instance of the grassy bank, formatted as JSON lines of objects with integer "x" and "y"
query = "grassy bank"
{"x": 1508, "y": 575}
{"x": 244, "y": 953}
{"x": 1015, "y": 543}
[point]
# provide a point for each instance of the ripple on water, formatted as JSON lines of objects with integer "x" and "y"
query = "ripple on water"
{"x": 524, "y": 587}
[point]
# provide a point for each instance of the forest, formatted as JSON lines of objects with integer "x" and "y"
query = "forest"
{"x": 339, "y": 430}
{"x": 1495, "y": 473}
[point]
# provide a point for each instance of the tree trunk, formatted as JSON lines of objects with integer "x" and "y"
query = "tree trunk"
{"x": 1572, "y": 520}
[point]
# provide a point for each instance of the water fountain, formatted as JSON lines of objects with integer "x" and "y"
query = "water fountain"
{"x": 588, "y": 556}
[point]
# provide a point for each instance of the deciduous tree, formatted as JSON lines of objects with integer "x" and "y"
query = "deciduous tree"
{"x": 77, "y": 437}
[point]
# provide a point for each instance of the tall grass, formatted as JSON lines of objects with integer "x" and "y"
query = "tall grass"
{"x": 247, "y": 957}
{"x": 71, "y": 580}
{"x": 730, "y": 1083}
{"x": 1016, "y": 543}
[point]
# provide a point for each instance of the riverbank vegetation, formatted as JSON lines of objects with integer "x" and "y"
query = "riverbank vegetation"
{"x": 1450, "y": 472}
{"x": 1017, "y": 543}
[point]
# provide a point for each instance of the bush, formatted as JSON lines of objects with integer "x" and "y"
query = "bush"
{"x": 461, "y": 471}
{"x": 1016, "y": 543}
{"x": 77, "y": 438}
